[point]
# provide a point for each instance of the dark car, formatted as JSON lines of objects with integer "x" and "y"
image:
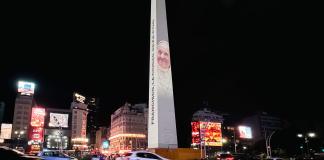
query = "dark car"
{"x": 241, "y": 156}
{"x": 11, "y": 154}
{"x": 225, "y": 157}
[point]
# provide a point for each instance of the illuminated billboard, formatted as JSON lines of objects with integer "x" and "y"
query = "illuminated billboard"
{"x": 245, "y": 132}
{"x": 37, "y": 117}
{"x": 6, "y": 131}
{"x": 26, "y": 88}
{"x": 84, "y": 125}
{"x": 58, "y": 120}
{"x": 195, "y": 132}
{"x": 105, "y": 144}
{"x": 79, "y": 98}
{"x": 210, "y": 133}
{"x": 36, "y": 134}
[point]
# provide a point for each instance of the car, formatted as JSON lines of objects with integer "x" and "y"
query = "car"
{"x": 274, "y": 158}
{"x": 141, "y": 155}
{"x": 55, "y": 155}
{"x": 12, "y": 154}
{"x": 241, "y": 156}
{"x": 98, "y": 157}
{"x": 224, "y": 156}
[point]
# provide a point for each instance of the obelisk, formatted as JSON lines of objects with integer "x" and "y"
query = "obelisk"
{"x": 162, "y": 132}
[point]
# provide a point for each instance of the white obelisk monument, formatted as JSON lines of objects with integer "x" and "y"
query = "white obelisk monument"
{"x": 162, "y": 132}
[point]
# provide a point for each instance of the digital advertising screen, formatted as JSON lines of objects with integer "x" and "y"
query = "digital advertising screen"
{"x": 245, "y": 132}
{"x": 26, "y": 88}
{"x": 211, "y": 133}
{"x": 36, "y": 134}
{"x": 37, "y": 117}
{"x": 105, "y": 144}
{"x": 79, "y": 98}
{"x": 195, "y": 132}
{"x": 6, "y": 131}
{"x": 59, "y": 120}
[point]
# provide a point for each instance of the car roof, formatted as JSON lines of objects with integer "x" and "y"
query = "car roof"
{"x": 140, "y": 151}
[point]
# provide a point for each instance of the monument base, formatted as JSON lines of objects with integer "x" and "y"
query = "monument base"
{"x": 178, "y": 153}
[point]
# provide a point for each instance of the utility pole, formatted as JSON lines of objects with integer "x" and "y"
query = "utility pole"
{"x": 234, "y": 142}
{"x": 268, "y": 143}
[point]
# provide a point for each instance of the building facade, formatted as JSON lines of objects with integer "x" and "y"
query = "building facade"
{"x": 129, "y": 128}
{"x": 92, "y": 120}
{"x": 262, "y": 124}
{"x": 2, "y": 108}
{"x": 207, "y": 115}
{"x": 22, "y": 115}
{"x": 79, "y": 125}
{"x": 102, "y": 135}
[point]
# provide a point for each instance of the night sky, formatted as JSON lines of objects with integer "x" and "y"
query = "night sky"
{"x": 238, "y": 56}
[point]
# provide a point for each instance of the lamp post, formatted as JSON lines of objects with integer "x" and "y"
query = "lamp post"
{"x": 19, "y": 134}
{"x": 234, "y": 140}
{"x": 306, "y": 140}
{"x": 268, "y": 144}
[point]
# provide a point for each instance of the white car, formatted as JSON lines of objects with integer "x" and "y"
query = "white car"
{"x": 54, "y": 155}
{"x": 141, "y": 155}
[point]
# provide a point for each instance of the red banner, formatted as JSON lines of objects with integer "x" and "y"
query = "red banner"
{"x": 37, "y": 117}
{"x": 195, "y": 132}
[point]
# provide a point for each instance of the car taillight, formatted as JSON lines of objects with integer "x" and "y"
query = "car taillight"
{"x": 230, "y": 158}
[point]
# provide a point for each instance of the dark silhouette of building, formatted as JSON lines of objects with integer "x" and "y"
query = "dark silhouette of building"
{"x": 92, "y": 122}
{"x": 2, "y": 107}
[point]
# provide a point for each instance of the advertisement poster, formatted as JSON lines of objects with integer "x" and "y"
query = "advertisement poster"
{"x": 211, "y": 133}
{"x": 58, "y": 120}
{"x": 37, "y": 117}
{"x": 26, "y": 88}
{"x": 245, "y": 132}
{"x": 195, "y": 132}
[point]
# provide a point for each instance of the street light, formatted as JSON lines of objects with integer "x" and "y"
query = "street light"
{"x": 19, "y": 134}
{"x": 268, "y": 144}
{"x": 308, "y": 135}
{"x": 311, "y": 135}
{"x": 224, "y": 140}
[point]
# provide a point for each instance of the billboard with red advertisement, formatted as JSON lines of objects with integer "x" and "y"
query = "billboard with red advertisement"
{"x": 209, "y": 132}
{"x": 36, "y": 134}
{"x": 84, "y": 125}
{"x": 36, "y": 131}
{"x": 213, "y": 134}
{"x": 37, "y": 117}
{"x": 195, "y": 131}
